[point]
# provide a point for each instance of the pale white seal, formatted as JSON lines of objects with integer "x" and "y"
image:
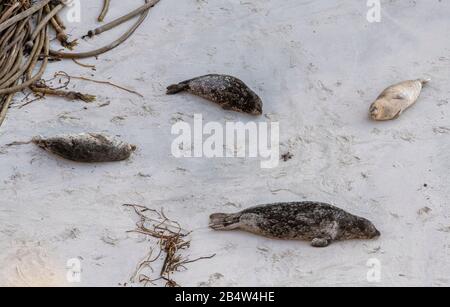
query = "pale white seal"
{"x": 394, "y": 100}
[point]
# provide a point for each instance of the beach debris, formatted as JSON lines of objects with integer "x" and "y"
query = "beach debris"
{"x": 171, "y": 242}
{"x": 394, "y": 100}
{"x": 86, "y": 147}
{"x": 424, "y": 211}
{"x": 227, "y": 91}
{"x": 69, "y": 77}
{"x": 25, "y": 29}
{"x": 319, "y": 223}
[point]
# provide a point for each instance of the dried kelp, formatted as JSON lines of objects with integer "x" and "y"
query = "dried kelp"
{"x": 25, "y": 30}
{"x": 172, "y": 240}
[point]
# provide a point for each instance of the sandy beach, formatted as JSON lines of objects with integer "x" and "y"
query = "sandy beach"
{"x": 317, "y": 65}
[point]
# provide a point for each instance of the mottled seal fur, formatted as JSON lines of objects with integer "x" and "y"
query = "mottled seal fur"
{"x": 227, "y": 91}
{"x": 315, "y": 222}
{"x": 89, "y": 147}
{"x": 394, "y": 100}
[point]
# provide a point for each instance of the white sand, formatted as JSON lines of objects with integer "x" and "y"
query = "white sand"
{"x": 317, "y": 65}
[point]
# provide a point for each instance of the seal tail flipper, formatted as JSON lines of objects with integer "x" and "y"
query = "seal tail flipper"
{"x": 177, "y": 88}
{"x": 424, "y": 81}
{"x": 39, "y": 141}
{"x": 223, "y": 221}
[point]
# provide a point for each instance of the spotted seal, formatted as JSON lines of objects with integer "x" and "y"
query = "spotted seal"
{"x": 319, "y": 223}
{"x": 86, "y": 147}
{"x": 396, "y": 99}
{"x": 227, "y": 91}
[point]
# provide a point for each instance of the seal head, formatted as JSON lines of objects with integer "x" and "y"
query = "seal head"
{"x": 382, "y": 110}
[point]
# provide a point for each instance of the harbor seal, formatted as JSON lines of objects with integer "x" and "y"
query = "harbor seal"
{"x": 227, "y": 91}
{"x": 394, "y": 100}
{"x": 318, "y": 223}
{"x": 89, "y": 147}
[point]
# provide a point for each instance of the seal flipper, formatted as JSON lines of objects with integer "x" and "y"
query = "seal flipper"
{"x": 177, "y": 88}
{"x": 320, "y": 242}
{"x": 223, "y": 221}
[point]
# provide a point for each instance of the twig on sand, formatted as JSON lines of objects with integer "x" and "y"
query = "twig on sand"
{"x": 31, "y": 101}
{"x": 71, "y": 95}
{"x": 100, "y": 82}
